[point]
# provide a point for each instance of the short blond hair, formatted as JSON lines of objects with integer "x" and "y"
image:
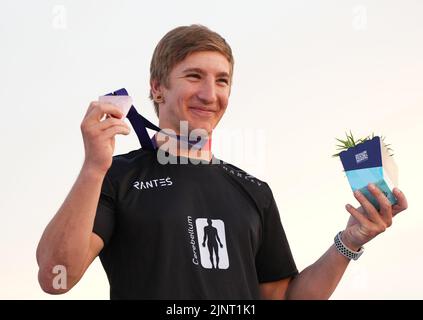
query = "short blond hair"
{"x": 180, "y": 42}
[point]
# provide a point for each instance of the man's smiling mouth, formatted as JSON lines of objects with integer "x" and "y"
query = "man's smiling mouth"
{"x": 202, "y": 112}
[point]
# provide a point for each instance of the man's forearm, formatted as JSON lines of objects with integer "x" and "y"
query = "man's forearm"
{"x": 65, "y": 240}
{"x": 319, "y": 280}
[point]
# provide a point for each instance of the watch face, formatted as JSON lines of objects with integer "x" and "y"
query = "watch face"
{"x": 359, "y": 253}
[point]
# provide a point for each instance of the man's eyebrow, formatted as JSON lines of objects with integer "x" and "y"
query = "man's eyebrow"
{"x": 200, "y": 71}
{"x": 223, "y": 74}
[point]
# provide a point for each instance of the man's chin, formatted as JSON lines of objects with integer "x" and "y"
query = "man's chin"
{"x": 200, "y": 128}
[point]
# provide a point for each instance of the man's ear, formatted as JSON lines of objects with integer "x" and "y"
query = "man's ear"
{"x": 156, "y": 88}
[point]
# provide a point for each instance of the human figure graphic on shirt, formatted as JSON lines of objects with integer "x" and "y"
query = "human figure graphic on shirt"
{"x": 210, "y": 234}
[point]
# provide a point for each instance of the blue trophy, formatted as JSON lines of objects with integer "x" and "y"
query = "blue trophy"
{"x": 371, "y": 162}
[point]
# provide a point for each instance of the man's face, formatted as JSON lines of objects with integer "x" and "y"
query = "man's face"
{"x": 198, "y": 92}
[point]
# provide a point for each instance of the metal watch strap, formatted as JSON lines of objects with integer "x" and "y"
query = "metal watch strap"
{"x": 344, "y": 250}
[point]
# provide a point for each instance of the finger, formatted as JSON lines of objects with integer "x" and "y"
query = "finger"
{"x": 114, "y": 130}
{"x": 100, "y": 109}
{"x": 109, "y": 122}
{"x": 384, "y": 204}
{"x": 92, "y": 105}
{"x": 402, "y": 202}
{"x": 371, "y": 211}
{"x": 359, "y": 216}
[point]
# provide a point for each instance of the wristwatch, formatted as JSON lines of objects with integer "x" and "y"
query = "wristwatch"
{"x": 344, "y": 250}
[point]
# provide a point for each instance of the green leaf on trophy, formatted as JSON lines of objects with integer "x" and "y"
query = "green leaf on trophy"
{"x": 350, "y": 142}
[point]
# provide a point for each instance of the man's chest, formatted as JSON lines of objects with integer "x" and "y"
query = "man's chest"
{"x": 175, "y": 204}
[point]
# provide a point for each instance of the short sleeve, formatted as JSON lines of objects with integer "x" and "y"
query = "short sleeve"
{"x": 105, "y": 215}
{"x": 274, "y": 260}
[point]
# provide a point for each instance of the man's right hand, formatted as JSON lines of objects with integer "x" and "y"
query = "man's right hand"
{"x": 99, "y": 135}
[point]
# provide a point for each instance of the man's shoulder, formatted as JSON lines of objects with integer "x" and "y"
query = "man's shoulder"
{"x": 257, "y": 189}
{"x": 244, "y": 177}
{"x": 129, "y": 156}
{"x": 132, "y": 159}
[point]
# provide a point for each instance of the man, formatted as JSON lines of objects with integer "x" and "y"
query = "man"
{"x": 146, "y": 219}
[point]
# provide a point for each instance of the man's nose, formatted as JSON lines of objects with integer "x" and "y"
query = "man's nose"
{"x": 207, "y": 91}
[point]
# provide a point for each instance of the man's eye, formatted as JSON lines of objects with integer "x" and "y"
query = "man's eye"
{"x": 223, "y": 80}
{"x": 193, "y": 75}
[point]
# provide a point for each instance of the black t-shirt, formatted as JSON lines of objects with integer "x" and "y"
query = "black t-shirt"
{"x": 188, "y": 231}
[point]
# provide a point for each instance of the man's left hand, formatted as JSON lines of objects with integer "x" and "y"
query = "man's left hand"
{"x": 366, "y": 222}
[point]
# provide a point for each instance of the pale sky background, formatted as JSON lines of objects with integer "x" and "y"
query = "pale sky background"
{"x": 305, "y": 72}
